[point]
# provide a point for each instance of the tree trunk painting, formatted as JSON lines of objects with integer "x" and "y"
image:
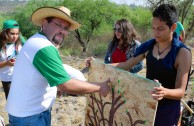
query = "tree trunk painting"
{"x": 128, "y": 104}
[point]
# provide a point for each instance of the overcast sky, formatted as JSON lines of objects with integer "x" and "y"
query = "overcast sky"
{"x": 136, "y": 2}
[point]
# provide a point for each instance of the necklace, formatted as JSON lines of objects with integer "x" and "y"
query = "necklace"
{"x": 160, "y": 53}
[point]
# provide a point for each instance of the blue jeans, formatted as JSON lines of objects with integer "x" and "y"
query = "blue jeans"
{"x": 41, "y": 119}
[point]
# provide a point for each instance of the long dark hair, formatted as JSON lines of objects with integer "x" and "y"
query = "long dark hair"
{"x": 4, "y": 39}
{"x": 129, "y": 33}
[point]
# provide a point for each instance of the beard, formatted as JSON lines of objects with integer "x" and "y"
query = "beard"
{"x": 58, "y": 41}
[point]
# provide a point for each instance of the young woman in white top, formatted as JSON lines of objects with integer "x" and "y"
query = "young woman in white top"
{"x": 10, "y": 45}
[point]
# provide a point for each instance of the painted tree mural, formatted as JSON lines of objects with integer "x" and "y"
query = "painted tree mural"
{"x": 115, "y": 104}
{"x": 129, "y": 103}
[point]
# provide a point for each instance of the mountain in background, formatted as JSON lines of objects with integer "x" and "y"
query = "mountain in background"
{"x": 8, "y": 6}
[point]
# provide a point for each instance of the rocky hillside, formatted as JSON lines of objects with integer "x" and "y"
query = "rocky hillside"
{"x": 8, "y": 6}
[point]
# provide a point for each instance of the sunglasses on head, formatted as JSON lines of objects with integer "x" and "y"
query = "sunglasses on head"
{"x": 117, "y": 30}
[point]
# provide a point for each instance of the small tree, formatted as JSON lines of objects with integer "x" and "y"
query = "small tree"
{"x": 23, "y": 15}
{"x": 91, "y": 14}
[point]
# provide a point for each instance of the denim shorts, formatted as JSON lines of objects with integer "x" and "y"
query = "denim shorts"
{"x": 42, "y": 119}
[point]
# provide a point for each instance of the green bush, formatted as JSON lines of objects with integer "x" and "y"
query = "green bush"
{"x": 100, "y": 49}
{"x": 70, "y": 52}
{"x": 98, "y": 45}
{"x": 65, "y": 52}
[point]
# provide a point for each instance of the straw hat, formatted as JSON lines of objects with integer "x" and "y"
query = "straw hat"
{"x": 59, "y": 12}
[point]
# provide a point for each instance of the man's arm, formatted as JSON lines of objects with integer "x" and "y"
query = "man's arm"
{"x": 130, "y": 62}
{"x": 182, "y": 64}
{"x": 74, "y": 86}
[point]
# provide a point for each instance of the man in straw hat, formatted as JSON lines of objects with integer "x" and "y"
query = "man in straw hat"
{"x": 39, "y": 71}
